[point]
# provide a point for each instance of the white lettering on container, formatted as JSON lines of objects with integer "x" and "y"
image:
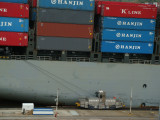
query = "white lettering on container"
{"x": 3, "y": 39}
{"x": 126, "y": 11}
{"x": 129, "y": 23}
{"x": 5, "y": 24}
{"x": 129, "y": 35}
{"x": 66, "y": 2}
{"x": 3, "y": 10}
{"x": 128, "y": 47}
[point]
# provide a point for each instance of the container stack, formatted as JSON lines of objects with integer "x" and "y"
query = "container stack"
{"x": 14, "y": 22}
{"x": 127, "y": 27}
{"x": 65, "y": 25}
{"x": 158, "y": 18}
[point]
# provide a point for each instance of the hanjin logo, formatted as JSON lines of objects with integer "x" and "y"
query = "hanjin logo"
{"x": 53, "y": 1}
{"x": 118, "y": 34}
{"x": 119, "y": 23}
{"x": 117, "y": 46}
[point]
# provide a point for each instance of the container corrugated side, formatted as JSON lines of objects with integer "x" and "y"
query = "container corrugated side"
{"x": 14, "y": 24}
{"x": 15, "y": 1}
{"x": 128, "y": 35}
{"x": 13, "y": 39}
{"x": 127, "y": 47}
{"x": 129, "y": 11}
{"x": 61, "y": 43}
{"x": 67, "y": 4}
{"x": 102, "y": 2}
{"x": 14, "y": 10}
{"x": 65, "y": 16}
{"x": 125, "y": 23}
{"x": 64, "y": 30}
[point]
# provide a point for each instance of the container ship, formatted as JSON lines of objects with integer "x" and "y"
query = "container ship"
{"x": 79, "y": 47}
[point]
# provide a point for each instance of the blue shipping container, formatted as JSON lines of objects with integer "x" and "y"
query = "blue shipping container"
{"x": 128, "y": 23}
{"x": 33, "y": 14}
{"x": 15, "y": 1}
{"x": 128, "y": 35}
{"x": 67, "y": 4}
{"x": 127, "y": 47}
{"x": 14, "y": 24}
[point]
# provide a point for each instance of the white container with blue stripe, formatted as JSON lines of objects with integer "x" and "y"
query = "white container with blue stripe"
{"x": 43, "y": 111}
{"x": 67, "y": 4}
{"x": 14, "y": 24}
{"x": 127, "y": 47}
{"x": 128, "y": 23}
{"x": 127, "y": 35}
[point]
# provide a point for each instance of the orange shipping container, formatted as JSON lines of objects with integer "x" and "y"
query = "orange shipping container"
{"x": 64, "y": 30}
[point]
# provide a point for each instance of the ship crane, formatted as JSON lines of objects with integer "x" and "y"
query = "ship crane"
{"x": 100, "y": 102}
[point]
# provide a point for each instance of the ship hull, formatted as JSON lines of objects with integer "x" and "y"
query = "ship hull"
{"x": 38, "y": 81}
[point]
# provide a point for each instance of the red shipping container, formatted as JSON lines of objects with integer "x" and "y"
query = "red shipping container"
{"x": 64, "y": 30}
{"x": 32, "y": 3}
{"x": 13, "y": 39}
{"x": 14, "y": 10}
{"x": 99, "y": 4}
{"x": 129, "y": 11}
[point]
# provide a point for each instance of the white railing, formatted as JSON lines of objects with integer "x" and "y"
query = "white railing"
{"x": 18, "y": 57}
{"x": 78, "y": 59}
{"x": 139, "y": 61}
{"x": 72, "y": 59}
{"x": 44, "y": 58}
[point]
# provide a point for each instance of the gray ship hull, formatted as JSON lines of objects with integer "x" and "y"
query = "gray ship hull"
{"x": 38, "y": 81}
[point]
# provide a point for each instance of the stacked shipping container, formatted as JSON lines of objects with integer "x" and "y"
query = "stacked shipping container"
{"x": 33, "y": 9}
{"x": 14, "y": 23}
{"x": 65, "y": 25}
{"x": 15, "y": 1}
{"x": 127, "y": 27}
{"x": 32, "y": 3}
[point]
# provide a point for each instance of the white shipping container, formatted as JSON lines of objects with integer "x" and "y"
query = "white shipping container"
{"x": 27, "y": 107}
{"x": 43, "y": 111}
